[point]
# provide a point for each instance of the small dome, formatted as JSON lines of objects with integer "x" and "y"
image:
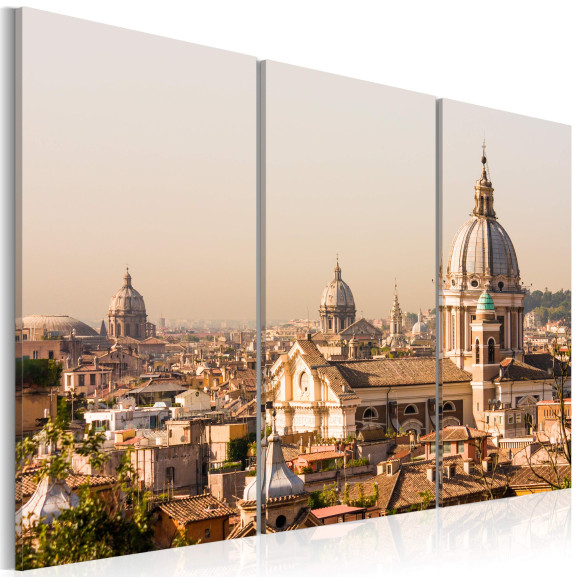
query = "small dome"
{"x": 277, "y": 479}
{"x": 419, "y": 328}
{"x": 337, "y": 293}
{"x": 56, "y": 325}
{"x": 485, "y": 302}
{"x": 127, "y": 299}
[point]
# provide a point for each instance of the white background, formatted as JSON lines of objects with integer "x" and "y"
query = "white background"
{"x": 517, "y": 56}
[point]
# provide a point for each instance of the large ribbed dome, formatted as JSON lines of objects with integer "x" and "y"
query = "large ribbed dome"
{"x": 482, "y": 254}
{"x": 57, "y": 326}
{"x": 482, "y": 246}
{"x": 337, "y": 292}
{"x": 127, "y": 299}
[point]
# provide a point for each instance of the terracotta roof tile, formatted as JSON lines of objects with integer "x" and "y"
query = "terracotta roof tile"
{"x": 401, "y": 371}
{"x": 514, "y": 370}
{"x": 456, "y": 433}
{"x": 197, "y": 508}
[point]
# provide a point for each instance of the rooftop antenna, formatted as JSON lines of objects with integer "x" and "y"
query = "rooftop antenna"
{"x": 484, "y": 158}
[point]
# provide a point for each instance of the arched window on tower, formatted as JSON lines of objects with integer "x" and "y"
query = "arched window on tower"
{"x": 491, "y": 351}
{"x": 330, "y": 324}
{"x": 118, "y": 333}
{"x": 477, "y": 352}
{"x": 127, "y": 329}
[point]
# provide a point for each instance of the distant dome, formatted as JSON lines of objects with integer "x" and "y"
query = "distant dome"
{"x": 57, "y": 325}
{"x": 337, "y": 293}
{"x": 419, "y": 328}
{"x": 127, "y": 299}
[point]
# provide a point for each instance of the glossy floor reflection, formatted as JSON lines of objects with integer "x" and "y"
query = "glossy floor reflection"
{"x": 520, "y": 533}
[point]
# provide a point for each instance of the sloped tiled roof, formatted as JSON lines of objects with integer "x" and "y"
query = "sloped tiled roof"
{"x": 514, "y": 370}
{"x": 404, "y": 489}
{"x": 523, "y": 476}
{"x": 290, "y": 452}
{"x": 321, "y": 456}
{"x": 196, "y": 508}
{"x": 385, "y": 484}
{"x": 544, "y": 361}
{"x": 401, "y": 371}
{"x": 26, "y": 483}
{"x": 337, "y": 383}
{"x": 456, "y": 433}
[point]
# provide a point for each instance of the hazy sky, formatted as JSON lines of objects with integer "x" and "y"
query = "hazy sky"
{"x": 530, "y": 165}
{"x": 137, "y": 150}
{"x": 350, "y": 170}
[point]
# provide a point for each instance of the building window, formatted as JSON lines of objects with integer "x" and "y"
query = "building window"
{"x": 461, "y": 446}
{"x": 411, "y": 410}
{"x": 170, "y": 474}
{"x": 34, "y": 354}
{"x": 433, "y": 448}
{"x": 446, "y": 448}
{"x": 207, "y": 533}
{"x": 330, "y": 324}
{"x": 491, "y": 351}
{"x": 501, "y": 332}
{"x": 510, "y": 419}
{"x": 280, "y": 521}
{"x": 500, "y": 420}
{"x": 370, "y": 414}
{"x": 92, "y": 380}
{"x": 518, "y": 417}
{"x": 80, "y": 380}
{"x": 50, "y": 354}
{"x": 448, "y": 406}
{"x": 304, "y": 382}
{"x": 477, "y": 354}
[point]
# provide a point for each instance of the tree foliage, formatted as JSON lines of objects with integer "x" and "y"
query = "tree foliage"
{"x": 328, "y": 497}
{"x": 95, "y": 528}
{"x": 39, "y": 372}
{"x": 548, "y": 306}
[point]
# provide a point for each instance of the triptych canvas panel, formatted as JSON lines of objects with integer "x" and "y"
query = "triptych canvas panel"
{"x": 159, "y": 403}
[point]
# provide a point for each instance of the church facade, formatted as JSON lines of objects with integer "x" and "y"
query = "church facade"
{"x": 338, "y": 393}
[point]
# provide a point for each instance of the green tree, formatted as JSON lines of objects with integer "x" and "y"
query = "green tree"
{"x": 94, "y": 528}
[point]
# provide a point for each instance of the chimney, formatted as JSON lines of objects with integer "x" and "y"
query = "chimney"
{"x": 468, "y": 466}
{"x": 431, "y": 473}
{"x": 392, "y": 466}
{"x": 450, "y": 470}
{"x": 488, "y": 464}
